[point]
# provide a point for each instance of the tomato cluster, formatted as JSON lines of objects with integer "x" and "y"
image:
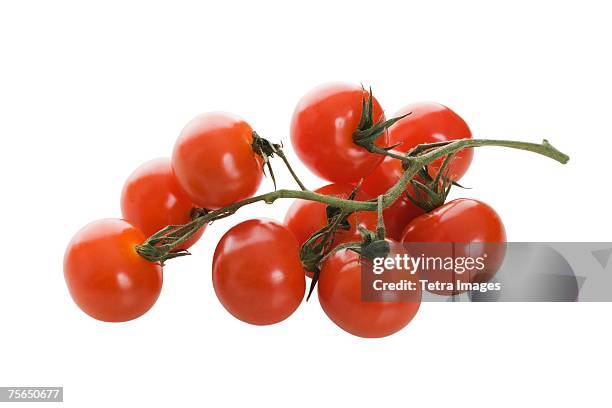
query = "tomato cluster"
{"x": 258, "y": 269}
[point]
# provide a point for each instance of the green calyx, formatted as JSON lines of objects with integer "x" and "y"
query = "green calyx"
{"x": 162, "y": 245}
{"x": 320, "y": 245}
{"x": 373, "y": 245}
{"x": 266, "y": 150}
{"x": 368, "y": 130}
{"x": 431, "y": 192}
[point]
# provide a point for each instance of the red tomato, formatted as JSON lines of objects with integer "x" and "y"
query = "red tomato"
{"x": 322, "y": 132}
{"x": 460, "y": 220}
{"x": 105, "y": 275}
{"x": 402, "y": 211}
{"x": 304, "y": 217}
{"x": 340, "y": 295}
{"x": 214, "y": 162}
{"x": 428, "y": 123}
{"x": 257, "y": 272}
{"x": 475, "y": 229}
{"x": 152, "y": 199}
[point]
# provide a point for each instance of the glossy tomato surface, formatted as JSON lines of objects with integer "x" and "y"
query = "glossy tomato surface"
{"x": 257, "y": 273}
{"x": 304, "y": 217}
{"x": 322, "y": 132}
{"x": 105, "y": 275}
{"x": 152, "y": 199}
{"x": 460, "y": 220}
{"x": 340, "y": 296}
{"x": 430, "y": 122}
{"x": 402, "y": 211}
{"x": 214, "y": 162}
{"x": 474, "y": 229}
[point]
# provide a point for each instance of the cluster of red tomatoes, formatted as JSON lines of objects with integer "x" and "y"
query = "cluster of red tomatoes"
{"x": 257, "y": 272}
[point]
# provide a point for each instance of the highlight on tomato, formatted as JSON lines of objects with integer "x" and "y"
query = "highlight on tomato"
{"x": 152, "y": 199}
{"x": 430, "y": 122}
{"x": 257, "y": 273}
{"x": 105, "y": 275}
{"x": 214, "y": 160}
{"x": 323, "y": 126}
{"x": 475, "y": 229}
{"x": 340, "y": 296}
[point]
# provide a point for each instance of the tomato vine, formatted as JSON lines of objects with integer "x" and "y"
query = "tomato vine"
{"x": 162, "y": 245}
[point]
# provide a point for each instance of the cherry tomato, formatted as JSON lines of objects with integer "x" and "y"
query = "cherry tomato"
{"x": 152, "y": 199}
{"x": 304, "y": 217}
{"x": 322, "y": 132}
{"x": 257, "y": 272}
{"x": 340, "y": 296}
{"x": 214, "y": 162}
{"x": 428, "y": 123}
{"x": 475, "y": 229}
{"x": 105, "y": 275}
{"x": 460, "y": 220}
{"x": 402, "y": 211}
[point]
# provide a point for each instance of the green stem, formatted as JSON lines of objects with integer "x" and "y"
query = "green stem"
{"x": 544, "y": 148}
{"x": 385, "y": 152}
{"x": 380, "y": 224}
{"x": 415, "y": 163}
{"x": 347, "y": 245}
{"x": 154, "y": 251}
{"x": 281, "y": 154}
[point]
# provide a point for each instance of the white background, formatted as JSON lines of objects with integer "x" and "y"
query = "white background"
{"x": 90, "y": 91}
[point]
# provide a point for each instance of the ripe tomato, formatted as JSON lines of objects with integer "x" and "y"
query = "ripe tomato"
{"x": 214, "y": 162}
{"x": 402, "y": 211}
{"x": 460, "y": 220}
{"x": 257, "y": 273}
{"x": 340, "y": 296}
{"x": 105, "y": 275}
{"x": 322, "y": 132}
{"x": 152, "y": 199}
{"x": 474, "y": 228}
{"x": 428, "y": 123}
{"x": 304, "y": 217}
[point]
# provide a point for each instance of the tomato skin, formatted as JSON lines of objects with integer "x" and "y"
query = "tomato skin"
{"x": 431, "y": 122}
{"x": 257, "y": 273}
{"x": 214, "y": 162}
{"x": 304, "y": 217}
{"x": 105, "y": 275}
{"x": 339, "y": 290}
{"x": 461, "y": 221}
{"x": 152, "y": 199}
{"x": 398, "y": 215}
{"x": 322, "y": 130}
{"x": 402, "y": 211}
